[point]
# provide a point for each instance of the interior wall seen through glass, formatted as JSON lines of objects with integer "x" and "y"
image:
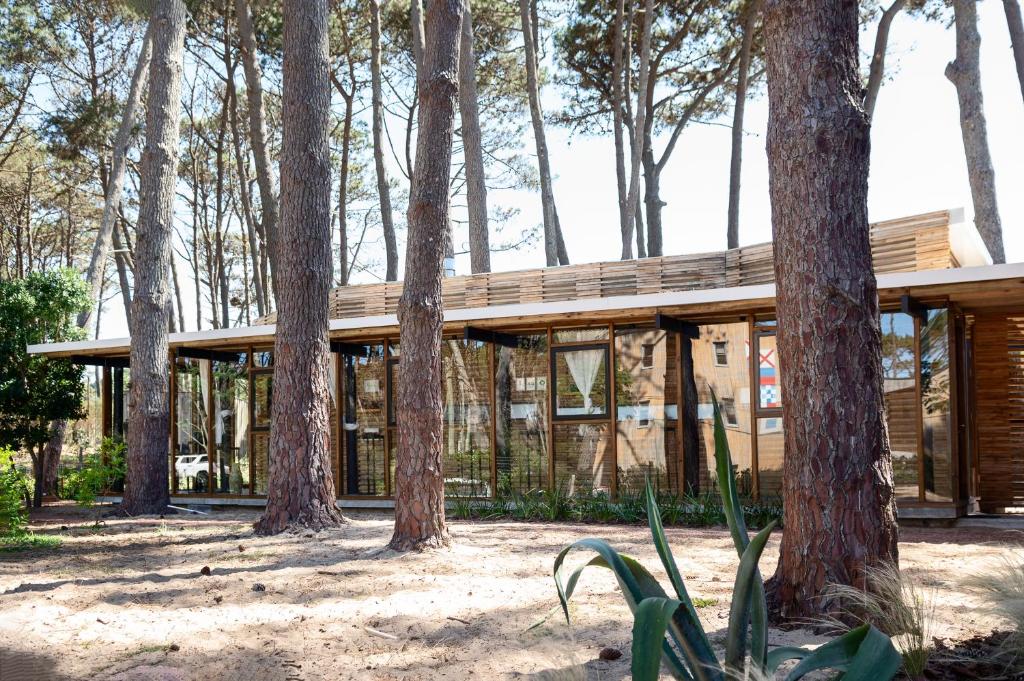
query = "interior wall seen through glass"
{"x": 521, "y": 413}
{"x": 935, "y": 407}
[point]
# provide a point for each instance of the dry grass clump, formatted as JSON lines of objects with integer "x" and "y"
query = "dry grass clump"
{"x": 898, "y": 606}
{"x": 1002, "y": 588}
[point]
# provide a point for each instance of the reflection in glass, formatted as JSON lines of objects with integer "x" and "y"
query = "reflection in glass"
{"x": 770, "y": 446}
{"x": 467, "y": 418}
{"x": 580, "y": 335}
{"x": 768, "y": 372}
{"x": 731, "y": 383}
{"x": 365, "y": 422}
{"x": 645, "y": 396}
{"x": 262, "y": 399}
{"x": 521, "y": 409}
{"x": 938, "y": 474}
{"x": 581, "y": 379}
{"x": 900, "y": 389}
{"x": 191, "y": 464}
{"x": 583, "y": 456}
{"x": 231, "y": 426}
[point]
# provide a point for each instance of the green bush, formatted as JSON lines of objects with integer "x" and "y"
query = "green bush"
{"x": 101, "y": 471}
{"x": 668, "y": 630}
{"x": 13, "y": 490}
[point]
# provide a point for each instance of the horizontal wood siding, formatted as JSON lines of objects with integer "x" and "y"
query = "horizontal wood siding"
{"x": 999, "y": 377}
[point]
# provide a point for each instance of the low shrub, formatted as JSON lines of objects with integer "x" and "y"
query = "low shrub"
{"x": 14, "y": 488}
{"x": 101, "y": 471}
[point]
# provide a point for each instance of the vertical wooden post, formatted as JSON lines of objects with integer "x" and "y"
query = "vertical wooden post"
{"x": 754, "y": 395}
{"x": 106, "y": 414}
{"x": 389, "y": 408}
{"x": 211, "y": 446}
{"x": 552, "y": 397}
{"x": 493, "y": 397}
{"x": 613, "y": 411}
{"x": 339, "y": 419}
{"x": 919, "y": 408}
{"x": 681, "y": 471}
{"x": 172, "y": 399}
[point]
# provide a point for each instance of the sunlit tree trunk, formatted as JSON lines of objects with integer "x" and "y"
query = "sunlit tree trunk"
{"x": 1016, "y": 26}
{"x": 419, "y": 479}
{"x": 877, "y": 69}
{"x": 473, "y": 150}
{"x": 965, "y": 73}
{"x": 383, "y": 188}
{"x": 300, "y": 489}
{"x": 839, "y": 506}
{"x": 633, "y": 194}
{"x": 146, "y": 486}
{"x": 752, "y": 13}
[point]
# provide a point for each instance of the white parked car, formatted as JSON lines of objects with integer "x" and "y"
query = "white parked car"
{"x": 192, "y": 466}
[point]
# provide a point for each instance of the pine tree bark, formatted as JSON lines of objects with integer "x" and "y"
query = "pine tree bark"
{"x": 840, "y": 511}
{"x": 552, "y": 233}
{"x": 383, "y": 187}
{"x": 146, "y": 486}
{"x": 965, "y": 73}
{"x": 633, "y": 194}
{"x": 115, "y": 182}
{"x": 752, "y": 13}
{"x": 1016, "y": 26}
{"x": 258, "y": 133}
{"x": 877, "y": 69}
{"x": 301, "y": 486}
{"x": 473, "y": 150}
{"x": 419, "y": 478}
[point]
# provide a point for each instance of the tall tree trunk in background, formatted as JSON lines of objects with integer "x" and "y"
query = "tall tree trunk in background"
{"x": 115, "y": 182}
{"x": 258, "y": 133}
{"x": 383, "y": 188}
{"x": 177, "y": 293}
{"x": 419, "y": 479}
{"x": 51, "y": 456}
{"x": 633, "y": 195}
{"x": 840, "y": 510}
{"x": 300, "y": 486}
{"x": 1016, "y": 26}
{"x": 877, "y": 69}
{"x": 965, "y": 73}
{"x": 246, "y": 200}
{"x": 146, "y": 487}
{"x": 547, "y": 196}
{"x": 618, "y": 103}
{"x": 473, "y": 150}
{"x": 752, "y": 13}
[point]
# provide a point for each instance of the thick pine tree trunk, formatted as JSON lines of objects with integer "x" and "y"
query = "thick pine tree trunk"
{"x": 547, "y": 195}
{"x": 115, "y": 183}
{"x": 258, "y": 133}
{"x": 383, "y": 187}
{"x": 146, "y": 486}
{"x": 840, "y": 511}
{"x": 1016, "y": 26}
{"x": 301, "y": 487}
{"x": 753, "y": 12}
{"x": 965, "y": 73}
{"x": 419, "y": 479}
{"x": 473, "y": 150}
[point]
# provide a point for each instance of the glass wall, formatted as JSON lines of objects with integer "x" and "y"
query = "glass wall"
{"x": 935, "y": 407}
{"x": 646, "y": 392}
{"x": 465, "y": 366}
{"x": 191, "y": 470}
{"x": 365, "y": 422}
{"x": 900, "y": 388}
{"x": 521, "y": 402}
{"x": 231, "y": 425}
{"x": 262, "y": 396}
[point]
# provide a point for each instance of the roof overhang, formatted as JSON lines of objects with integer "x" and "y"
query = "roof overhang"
{"x": 971, "y": 287}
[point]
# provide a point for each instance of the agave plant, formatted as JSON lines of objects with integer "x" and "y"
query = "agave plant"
{"x": 668, "y": 629}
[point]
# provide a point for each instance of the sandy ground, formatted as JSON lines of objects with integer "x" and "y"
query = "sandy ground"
{"x": 127, "y": 600}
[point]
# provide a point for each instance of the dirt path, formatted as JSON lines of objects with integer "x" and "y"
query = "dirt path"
{"x": 127, "y": 600}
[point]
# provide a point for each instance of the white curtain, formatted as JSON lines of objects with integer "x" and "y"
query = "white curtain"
{"x": 583, "y": 367}
{"x": 205, "y": 374}
{"x": 242, "y": 422}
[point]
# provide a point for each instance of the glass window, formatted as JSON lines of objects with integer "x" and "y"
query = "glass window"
{"x": 770, "y": 446}
{"x": 731, "y": 384}
{"x": 263, "y": 394}
{"x": 191, "y": 464}
{"x": 580, "y": 335}
{"x": 646, "y": 386}
{"x": 467, "y": 418}
{"x": 581, "y": 377}
{"x": 521, "y": 410}
{"x": 721, "y": 353}
{"x": 231, "y": 426}
{"x": 938, "y": 473}
{"x": 900, "y": 388}
{"x": 263, "y": 358}
{"x": 365, "y": 423}
{"x": 768, "y": 373}
{"x": 583, "y": 455}
{"x": 262, "y": 397}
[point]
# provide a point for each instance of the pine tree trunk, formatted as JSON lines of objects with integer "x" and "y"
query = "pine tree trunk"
{"x": 419, "y": 479}
{"x": 633, "y": 194}
{"x": 877, "y": 69}
{"x": 300, "y": 486}
{"x": 617, "y": 120}
{"x": 246, "y": 201}
{"x": 547, "y": 196}
{"x": 146, "y": 485}
{"x": 965, "y": 73}
{"x": 51, "y": 456}
{"x": 652, "y": 198}
{"x": 753, "y": 11}
{"x": 840, "y": 511}
{"x": 115, "y": 183}
{"x": 258, "y": 133}
{"x": 383, "y": 188}
{"x": 1016, "y": 26}
{"x": 472, "y": 145}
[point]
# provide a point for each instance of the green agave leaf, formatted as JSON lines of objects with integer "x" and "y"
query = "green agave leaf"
{"x": 864, "y": 654}
{"x": 739, "y": 612}
{"x": 650, "y": 621}
{"x": 758, "y": 607}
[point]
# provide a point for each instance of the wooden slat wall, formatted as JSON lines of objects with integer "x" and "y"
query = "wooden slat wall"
{"x": 915, "y": 243}
{"x": 999, "y": 380}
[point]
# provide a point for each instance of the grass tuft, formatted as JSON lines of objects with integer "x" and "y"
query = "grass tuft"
{"x": 28, "y": 541}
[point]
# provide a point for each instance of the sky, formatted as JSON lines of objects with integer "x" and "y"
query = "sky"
{"x": 917, "y": 161}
